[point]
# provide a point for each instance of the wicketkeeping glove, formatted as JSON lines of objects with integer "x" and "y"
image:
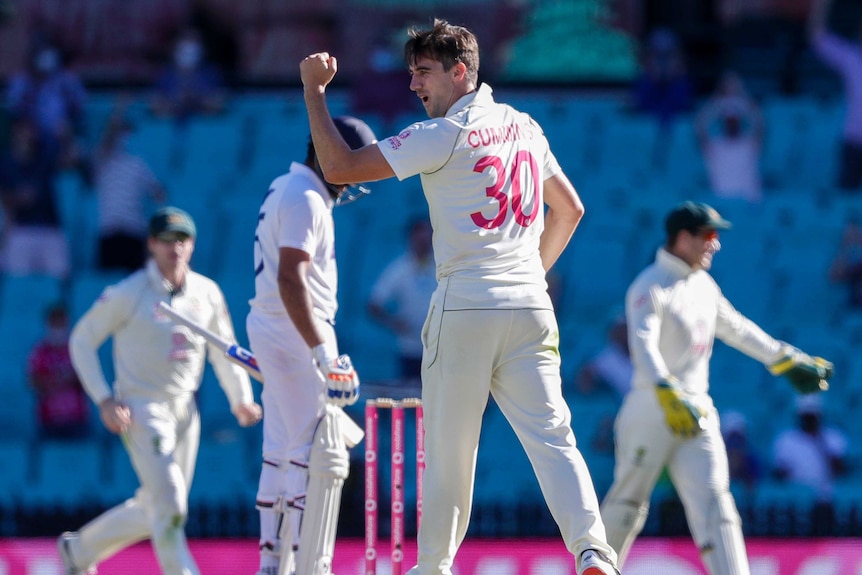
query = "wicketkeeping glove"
{"x": 807, "y": 374}
{"x": 342, "y": 381}
{"x": 682, "y": 416}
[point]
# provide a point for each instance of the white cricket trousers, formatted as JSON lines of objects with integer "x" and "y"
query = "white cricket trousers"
{"x": 697, "y": 467}
{"x": 293, "y": 398}
{"x": 513, "y": 355}
{"x": 163, "y": 444}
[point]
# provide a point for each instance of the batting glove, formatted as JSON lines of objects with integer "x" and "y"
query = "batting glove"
{"x": 682, "y": 416}
{"x": 342, "y": 381}
{"x": 806, "y": 374}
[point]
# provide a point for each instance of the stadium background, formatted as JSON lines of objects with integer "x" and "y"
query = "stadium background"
{"x": 570, "y": 64}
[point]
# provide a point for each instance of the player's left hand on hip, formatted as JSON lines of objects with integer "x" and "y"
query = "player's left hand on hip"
{"x": 247, "y": 414}
{"x": 342, "y": 381}
{"x": 805, "y": 373}
{"x": 684, "y": 418}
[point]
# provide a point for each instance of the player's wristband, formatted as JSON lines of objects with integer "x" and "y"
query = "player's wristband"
{"x": 320, "y": 355}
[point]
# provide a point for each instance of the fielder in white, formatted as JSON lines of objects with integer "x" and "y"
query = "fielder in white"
{"x": 159, "y": 365}
{"x": 487, "y": 173}
{"x": 290, "y": 329}
{"x": 674, "y": 310}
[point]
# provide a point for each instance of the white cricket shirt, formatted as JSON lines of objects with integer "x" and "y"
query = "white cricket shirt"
{"x": 155, "y": 359}
{"x": 674, "y": 314}
{"x": 482, "y": 168}
{"x": 296, "y": 213}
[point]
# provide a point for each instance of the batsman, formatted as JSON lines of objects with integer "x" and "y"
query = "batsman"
{"x": 291, "y": 330}
{"x": 674, "y": 311}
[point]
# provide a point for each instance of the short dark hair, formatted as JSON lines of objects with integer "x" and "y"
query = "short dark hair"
{"x": 444, "y": 43}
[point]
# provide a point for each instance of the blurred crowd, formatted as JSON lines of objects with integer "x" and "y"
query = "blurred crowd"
{"x": 46, "y": 136}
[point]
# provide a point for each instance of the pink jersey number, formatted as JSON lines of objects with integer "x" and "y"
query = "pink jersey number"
{"x": 522, "y": 158}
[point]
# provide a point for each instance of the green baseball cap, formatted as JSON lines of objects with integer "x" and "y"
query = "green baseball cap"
{"x": 693, "y": 216}
{"x": 172, "y": 220}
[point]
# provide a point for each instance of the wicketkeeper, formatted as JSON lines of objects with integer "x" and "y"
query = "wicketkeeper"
{"x": 674, "y": 311}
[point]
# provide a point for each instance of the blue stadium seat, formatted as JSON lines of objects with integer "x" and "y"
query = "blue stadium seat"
{"x": 214, "y": 144}
{"x": 795, "y": 127}
{"x": 70, "y": 473}
{"x": 16, "y": 476}
{"x": 153, "y": 140}
{"x": 589, "y": 295}
{"x": 223, "y": 473}
{"x": 78, "y": 212}
{"x": 782, "y": 508}
{"x": 503, "y": 471}
{"x": 123, "y": 481}
{"x": 23, "y": 303}
{"x": 17, "y": 402}
{"x": 86, "y": 287}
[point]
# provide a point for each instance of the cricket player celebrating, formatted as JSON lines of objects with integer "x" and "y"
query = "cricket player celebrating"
{"x": 290, "y": 329}
{"x": 487, "y": 173}
{"x": 674, "y": 310}
{"x": 159, "y": 366}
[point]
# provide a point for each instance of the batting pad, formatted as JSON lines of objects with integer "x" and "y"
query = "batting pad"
{"x": 328, "y": 467}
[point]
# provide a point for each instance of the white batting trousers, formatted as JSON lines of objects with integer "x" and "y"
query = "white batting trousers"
{"x": 293, "y": 395}
{"x": 293, "y": 403}
{"x": 163, "y": 444}
{"x": 513, "y": 355}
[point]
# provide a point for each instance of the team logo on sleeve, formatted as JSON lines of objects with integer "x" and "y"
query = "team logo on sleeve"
{"x": 395, "y": 141}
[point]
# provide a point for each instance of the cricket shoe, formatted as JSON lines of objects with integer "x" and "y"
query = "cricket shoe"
{"x": 595, "y": 563}
{"x": 65, "y": 551}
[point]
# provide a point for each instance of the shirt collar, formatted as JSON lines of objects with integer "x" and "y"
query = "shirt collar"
{"x": 482, "y": 96}
{"x": 158, "y": 280}
{"x": 667, "y": 261}
{"x": 319, "y": 185}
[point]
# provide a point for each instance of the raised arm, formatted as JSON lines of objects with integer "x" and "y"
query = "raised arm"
{"x": 340, "y": 164}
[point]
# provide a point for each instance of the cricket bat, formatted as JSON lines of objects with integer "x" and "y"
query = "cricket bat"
{"x": 233, "y": 351}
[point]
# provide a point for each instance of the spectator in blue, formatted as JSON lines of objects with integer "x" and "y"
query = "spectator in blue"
{"x": 190, "y": 84}
{"x": 34, "y": 241}
{"x": 51, "y": 96}
{"x": 663, "y": 88}
{"x": 844, "y": 57}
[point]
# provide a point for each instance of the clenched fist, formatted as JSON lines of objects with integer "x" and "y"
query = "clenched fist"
{"x": 317, "y": 71}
